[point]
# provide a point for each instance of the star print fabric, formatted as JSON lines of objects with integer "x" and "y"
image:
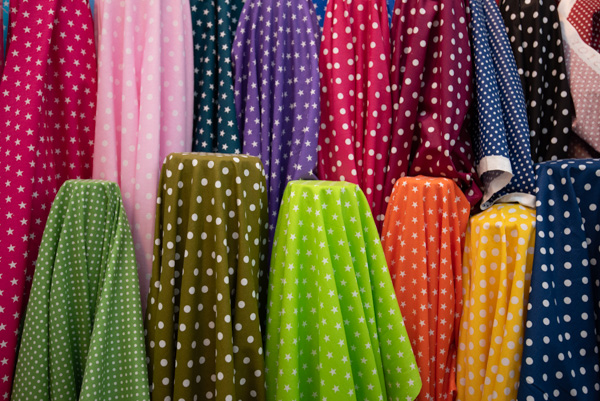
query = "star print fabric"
{"x": 356, "y": 103}
{"x": 501, "y": 130}
{"x": 83, "y": 337}
{"x": 145, "y": 104}
{"x": 215, "y": 120}
{"x": 210, "y": 260}
{"x": 431, "y": 83}
{"x": 276, "y": 70}
{"x": 560, "y": 356}
{"x": 497, "y": 262}
{"x": 422, "y": 239}
{"x": 334, "y": 329}
{"x": 47, "y": 108}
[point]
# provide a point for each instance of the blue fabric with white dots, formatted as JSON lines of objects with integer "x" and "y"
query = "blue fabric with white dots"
{"x": 501, "y": 129}
{"x": 560, "y": 355}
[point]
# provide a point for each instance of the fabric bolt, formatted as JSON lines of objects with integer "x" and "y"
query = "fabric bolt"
{"x": 215, "y": 120}
{"x": 47, "y": 109}
{"x": 501, "y": 130}
{"x": 422, "y": 238}
{"x": 145, "y": 104}
{"x": 83, "y": 337}
{"x": 497, "y": 261}
{"x": 210, "y": 262}
{"x": 334, "y": 328}
{"x": 321, "y": 6}
{"x": 560, "y": 356}
{"x": 431, "y": 77}
{"x": 356, "y": 103}
{"x": 276, "y": 72}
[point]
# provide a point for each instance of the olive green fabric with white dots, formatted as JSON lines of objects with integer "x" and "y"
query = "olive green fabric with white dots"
{"x": 210, "y": 255}
{"x": 83, "y": 335}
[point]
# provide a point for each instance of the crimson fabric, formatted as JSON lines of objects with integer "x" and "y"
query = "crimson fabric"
{"x": 47, "y": 109}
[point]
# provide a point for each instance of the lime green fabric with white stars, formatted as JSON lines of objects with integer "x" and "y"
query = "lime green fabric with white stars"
{"x": 334, "y": 329}
{"x": 83, "y": 337}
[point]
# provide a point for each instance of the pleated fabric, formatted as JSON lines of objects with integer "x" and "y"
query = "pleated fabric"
{"x": 215, "y": 122}
{"x": 145, "y": 100}
{"x": 83, "y": 337}
{"x": 432, "y": 86}
{"x": 334, "y": 329}
{"x": 47, "y": 109}
{"x": 210, "y": 257}
{"x": 501, "y": 130}
{"x": 356, "y": 102}
{"x": 422, "y": 238}
{"x": 560, "y": 357}
{"x": 276, "y": 71}
{"x": 497, "y": 262}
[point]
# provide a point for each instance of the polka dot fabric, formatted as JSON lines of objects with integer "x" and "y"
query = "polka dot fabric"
{"x": 83, "y": 335}
{"x": 145, "y": 104}
{"x": 321, "y": 6}
{"x": 210, "y": 257}
{"x": 497, "y": 261}
{"x": 585, "y": 17}
{"x": 356, "y": 102}
{"x": 560, "y": 356}
{"x": 501, "y": 131}
{"x": 423, "y": 235}
{"x": 536, "y": 40}
{"x": 432, "y": 87}
{"x": 334, "y": 329}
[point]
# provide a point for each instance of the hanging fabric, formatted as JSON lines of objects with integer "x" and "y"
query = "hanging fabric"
{"x": 501, "y": 131}
{"x": 145, "y": 100}
{"x": 321, "y": 6}
{"x": 215, "y": 121}
{"x": 47, "y": 109}
{"x": 83, "y": 337}
{"x": 276, "y": 71}
{"x": 356, "y": 103}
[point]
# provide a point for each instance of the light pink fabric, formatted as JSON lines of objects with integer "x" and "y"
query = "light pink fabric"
{"x": 145, "y": 104}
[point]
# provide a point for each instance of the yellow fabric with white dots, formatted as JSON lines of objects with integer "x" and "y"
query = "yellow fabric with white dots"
{"x": 497, "y": 262}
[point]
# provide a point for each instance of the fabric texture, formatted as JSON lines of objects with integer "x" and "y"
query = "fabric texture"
{"x": 422, "y": 238}
{"x": 497, "y": 262}
{"x": 356, "y": 103}
{"x": 321, "y": 6}
{"x": 334, "y": 328}
{"x": 560, "y": 356}
{"x": 83, "y": 337}
{"x": 276, "y": 71}
{"x": 215, "y": 121}
{"x": 501, "y": 130}
{"x": 47, "y": 109}
{"x": 210, "y": 257}
{"x": 145, "y": 104}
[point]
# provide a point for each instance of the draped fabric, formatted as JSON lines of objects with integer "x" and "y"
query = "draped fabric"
{"x": 501, "y": 131}
{"x": 560, "y": 356}
{"x": 47, "y": 108}
{"x": 215, "y": 122}
{"x": 210, "y": 258}
{"x": 422, "y": 239}
{"x": 536, "y": 40}
{"x": 145, "y": 100}
{"x": 431, "y": 79}
{"x": 276, "y": 71}
{"x": 83, "y": 337}
{"x": 356, "y": 103}
{"x": 321, "y": 6}
{"x": 497, "y": 262}
{"x": 334, "y": 329}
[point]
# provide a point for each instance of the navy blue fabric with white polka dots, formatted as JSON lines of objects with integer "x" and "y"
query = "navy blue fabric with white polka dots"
{"x": 560, "y": 355}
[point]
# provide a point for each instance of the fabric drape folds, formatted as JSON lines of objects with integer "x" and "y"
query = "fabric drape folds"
{"x": 47, "y": 108}
{"x": 83, "y": 337}
{"x": 210, "y": 258}
{"x": 497, "y": 264}
{"x": 422, "y": 239}
{"x": 334, "y": 328}
{"x": 145, "y": 104}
